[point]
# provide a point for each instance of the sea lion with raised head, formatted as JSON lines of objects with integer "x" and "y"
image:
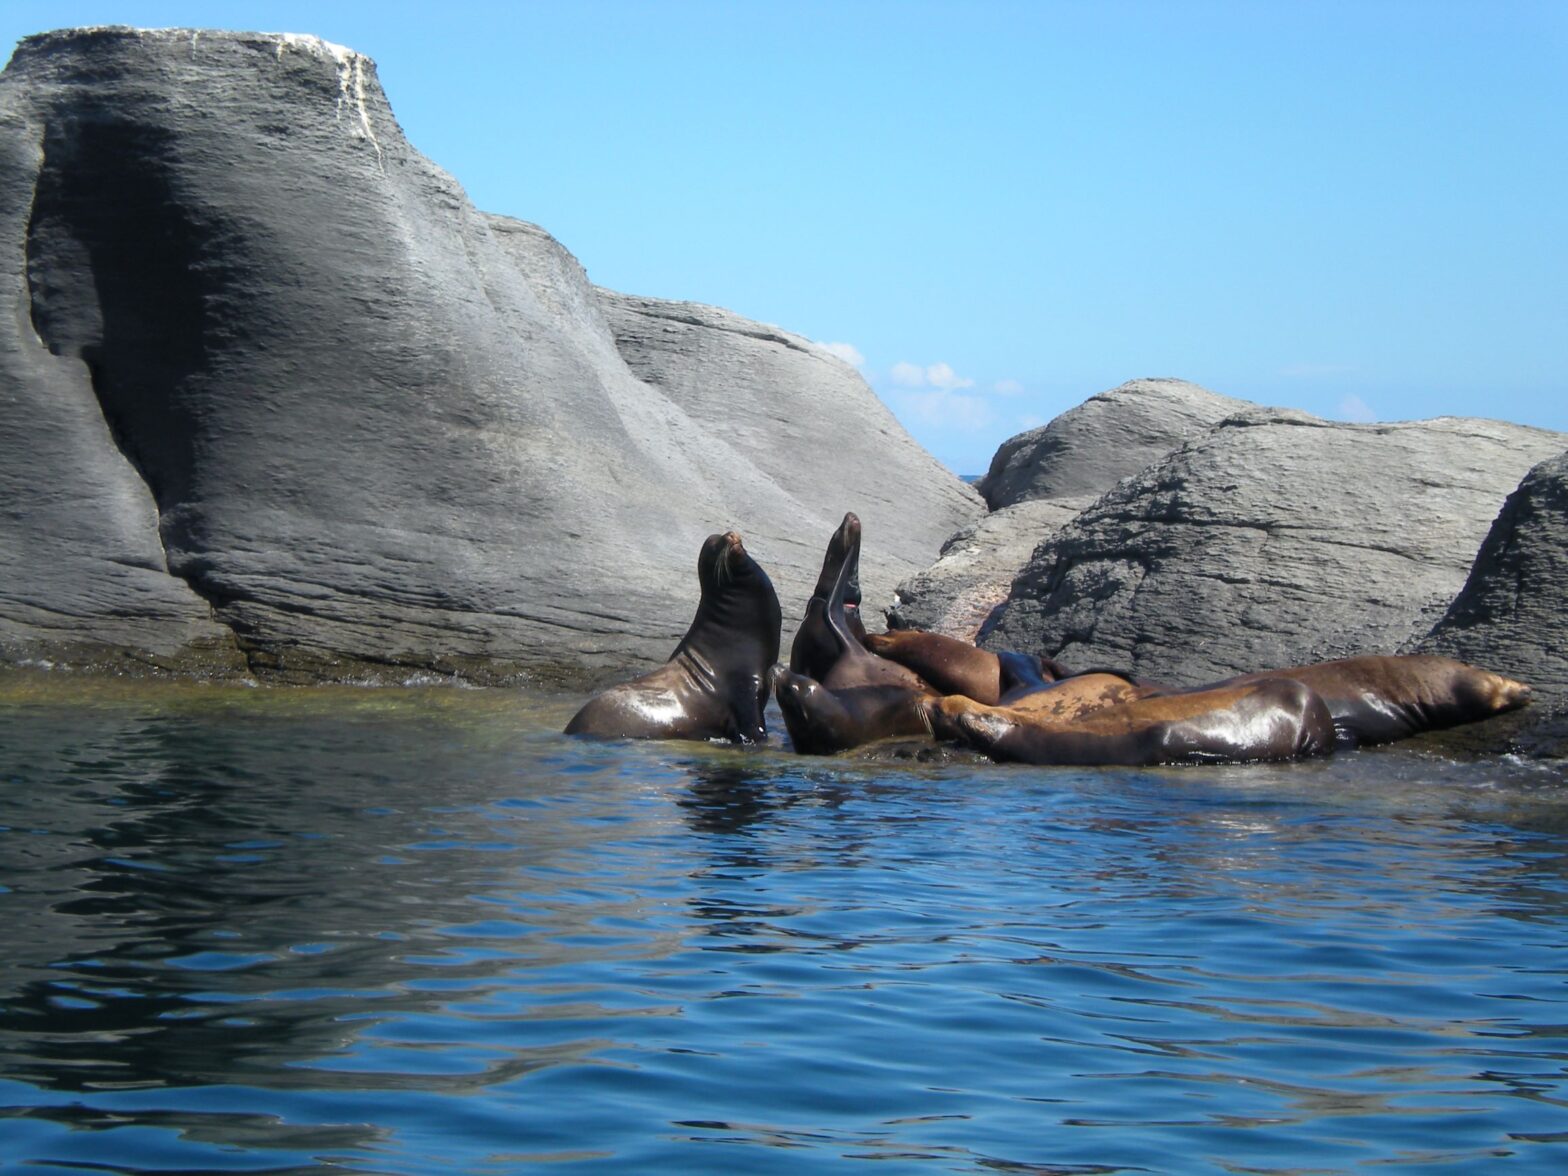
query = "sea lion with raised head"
{"x": 716, "y": 683}
{"x": 860, "y": 697}
{"x": 1271, "y": 719}
{"x": 815, "y": 647}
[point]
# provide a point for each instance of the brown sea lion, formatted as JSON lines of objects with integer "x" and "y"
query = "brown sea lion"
{"x": 1271, "y": 719}
{"x": 716, "y": 683}
{"x": 860, "y": 696}
{"x": 815, "y": 648}
{"x": 1059, "y": 702}
{"x": 954, "y": 666}
{"x": 1377, "y": 699}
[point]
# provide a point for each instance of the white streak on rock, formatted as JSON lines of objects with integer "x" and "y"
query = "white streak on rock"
{"x": 351, "y": 81}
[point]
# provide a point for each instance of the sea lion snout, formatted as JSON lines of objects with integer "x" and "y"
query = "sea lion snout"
{"x": 1508, "y": 694}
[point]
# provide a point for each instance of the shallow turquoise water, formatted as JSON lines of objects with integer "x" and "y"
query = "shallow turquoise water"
{"x": 419, "y": 931}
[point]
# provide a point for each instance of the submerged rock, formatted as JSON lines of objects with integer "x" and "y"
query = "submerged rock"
{"x": 275, "y": 395}
{"x": 1275, "y": 539}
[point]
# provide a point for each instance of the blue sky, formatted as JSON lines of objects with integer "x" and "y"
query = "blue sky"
{"x": 1359, "y": 209}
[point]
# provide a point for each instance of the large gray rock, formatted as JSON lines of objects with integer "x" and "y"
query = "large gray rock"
{"x": 274, "y": 389}
{"x": 803, "y": 419}
{"x": 957, "y": 595}
{"x": 1088, "y": 449}
{"x": 1275, "y": 539}
{"x": 1512, "y": 615}
{"x": 1038, "y": 481}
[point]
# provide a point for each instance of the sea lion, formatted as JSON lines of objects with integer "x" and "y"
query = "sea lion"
{"x": 815, "y": 648}
{"x": 822, "y": 721}
{"x": 1059, "y": 702}
{"x": 716, "y": 683}
{"x": 1378, "y": 699}
{"x": 1270, "y": 719}
{"x": 953, "y": 666}
{"x": 860, "y": 696}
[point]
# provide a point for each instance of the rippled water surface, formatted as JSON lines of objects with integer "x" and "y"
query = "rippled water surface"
{"x": 418, "y": 931}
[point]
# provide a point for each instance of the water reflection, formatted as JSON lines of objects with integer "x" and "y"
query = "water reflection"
{"x": 218, "y": 903}
{"x": 401, "y": 935}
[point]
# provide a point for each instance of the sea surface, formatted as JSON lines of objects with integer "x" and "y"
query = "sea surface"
{"x": 417, "y": 930}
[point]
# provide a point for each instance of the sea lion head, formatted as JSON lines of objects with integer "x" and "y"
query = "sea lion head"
{"x": 816, "y": 721}
{"x": 843, "y": 553}
{"x": 739, "y": 613}
{"x": 1486, "y": 693}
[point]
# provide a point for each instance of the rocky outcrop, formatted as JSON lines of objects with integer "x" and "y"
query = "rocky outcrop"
{"x": 1274, "y": 539}
{"x": 802, "y": 418}
{"x": 1513, "y": 610}
{"x": 1039, "y": 480}
{"x": 1088, "y": 449}
{"x": 957, "y": 595}
{"x": 276, "y": 395}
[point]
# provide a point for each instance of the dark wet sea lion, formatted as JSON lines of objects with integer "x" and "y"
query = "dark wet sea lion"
{"x": 815, "y": 648}
{"x": 1026, "y": 672}
{"x": 860, "y": 696}
{"x": 822, "y": 721}
{"x": 1271, "y": 719}
{"x": 716, "y": 683}
{"x": 1377, "y": 699}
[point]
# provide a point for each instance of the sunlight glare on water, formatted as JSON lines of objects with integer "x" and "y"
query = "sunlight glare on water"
{"x": 418, "y": 930}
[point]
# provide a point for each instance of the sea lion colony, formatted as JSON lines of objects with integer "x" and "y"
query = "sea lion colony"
{"x": 845, "y": 687}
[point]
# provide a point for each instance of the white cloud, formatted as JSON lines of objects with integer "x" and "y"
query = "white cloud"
{"x": 848, "y": 352}
{"x": 944, "y": 408}
{"x": 1008, "y": 387}
{"x": 1353, "y": 408}
{"x": 938, "y": 375}
{"x": 941, "y": 375}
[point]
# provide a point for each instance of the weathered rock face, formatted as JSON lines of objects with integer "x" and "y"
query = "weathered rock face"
{"x": 1513, "y": 611}
{"x": 1275, "y": 539}
{"x": 804, "y": 421}
{"x": 957, "y": 595}
{"x": 1038, "y": 481}
{"x": 1088, "y": 449}
{"x": 274, "y": 390}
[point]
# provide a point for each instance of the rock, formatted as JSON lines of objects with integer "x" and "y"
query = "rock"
{"x": 957, "y": 595}
{"x": 827, "y": 445}
{"x": 1512, "y": 614}
{"x": 1039, "y": 480}
{"x": 1088, "y": 449}
{"x": 275, "y": 390}
{"x": 1274, "y": 539}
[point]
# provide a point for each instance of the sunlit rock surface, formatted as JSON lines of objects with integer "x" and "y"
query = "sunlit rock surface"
{"x": 275, "y": 395}
{"x": 958, "y": 594}
{"x": 1276, "y": 538}
{"x": 1088, "y": 449}
{"x": 1039, "y": 480}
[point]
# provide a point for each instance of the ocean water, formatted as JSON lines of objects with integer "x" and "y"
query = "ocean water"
{"x": 417, "y": 930}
